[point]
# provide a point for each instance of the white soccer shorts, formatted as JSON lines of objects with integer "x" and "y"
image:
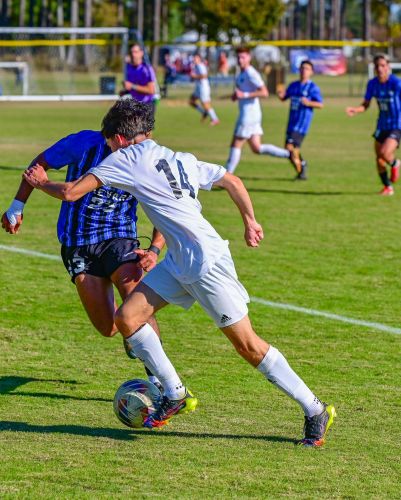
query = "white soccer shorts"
{"x": 247, "y": 130}
{"x": 218, "y": 292}
{"x": 203, "y": 94}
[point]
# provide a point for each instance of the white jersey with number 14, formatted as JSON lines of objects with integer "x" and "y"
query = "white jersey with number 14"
{"x": 166, "y": 184}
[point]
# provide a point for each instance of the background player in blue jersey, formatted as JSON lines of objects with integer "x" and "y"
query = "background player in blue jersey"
{"x": 98, "y": 233}
{"x": 386, "y": 88}
{"x": 305, "y": 97}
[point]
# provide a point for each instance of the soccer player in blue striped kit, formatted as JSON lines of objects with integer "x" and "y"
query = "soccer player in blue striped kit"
{"x": 98, "y": 233}
{"x": 305, "y": 97}
{"x": 386, "y": 88}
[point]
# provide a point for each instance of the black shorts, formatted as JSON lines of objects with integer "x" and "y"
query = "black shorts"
{"x": 100, "y": 259}
{"x": 381, "y": 135}
{"x": 294, "y": 138}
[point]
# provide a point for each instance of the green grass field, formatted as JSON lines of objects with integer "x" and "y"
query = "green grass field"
{"x": 331, "y": 245}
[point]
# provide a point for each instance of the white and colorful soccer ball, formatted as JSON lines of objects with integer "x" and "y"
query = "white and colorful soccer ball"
{"x": 134, "y": 401}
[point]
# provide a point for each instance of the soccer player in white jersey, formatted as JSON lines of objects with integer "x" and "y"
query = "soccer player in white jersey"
{"x": 201, "y": 99}
{"x": 198, "y": 264}
{"x": 249, "y": 87}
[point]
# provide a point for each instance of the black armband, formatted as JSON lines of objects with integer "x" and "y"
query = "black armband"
{"x": 154, "y": 249}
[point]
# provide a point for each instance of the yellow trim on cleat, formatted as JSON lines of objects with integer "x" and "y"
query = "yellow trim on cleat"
{"x": 332, "y": 415}
{"x": 190, "y": 405}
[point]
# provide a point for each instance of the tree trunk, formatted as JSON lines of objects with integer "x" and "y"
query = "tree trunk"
{"x": 31, "y": 13}
{"x": 310, "y": 14}
{"x": 60, "y": 24}
{"x": 343, "y": 26}
{"x": 120, "y": 12}
{"x": 290, "y": 10}
{"x": 367, "y": 21}
{"x": 156, "y": 32}
{"x": 74, "y": 24}
{"x": 139, "y": 19}
{"x": 22, "y": 11}
{"x": 165, "y": 20}
{"x": 43, "y": 14}
{"x": 88, "y": 24}
{"x": 322, "y": 19}
{"x": 335, "y": 20}
{"x": 297, "y": 21}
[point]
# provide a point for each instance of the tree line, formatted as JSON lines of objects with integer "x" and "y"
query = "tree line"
{"x": 164, "y": 19}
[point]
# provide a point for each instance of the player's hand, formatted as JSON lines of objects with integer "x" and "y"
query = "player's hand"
{"x": 239, "y": 94}
{"x": 13, "y": 227}
{"x": 350, "y": 111}
{"x": 36, "y": 176}
{"x": 253, "y": 234}
{"x": 305, "y": 101}
{"x": 280, "y": 92}
{"x": 147, "y": 259}
{"x": 128, "y": 85}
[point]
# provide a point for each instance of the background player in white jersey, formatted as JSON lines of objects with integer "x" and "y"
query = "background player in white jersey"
{"x": 201, "y": 98}
{"x": 198, "y": 265}
{"x": 249, "y": 87}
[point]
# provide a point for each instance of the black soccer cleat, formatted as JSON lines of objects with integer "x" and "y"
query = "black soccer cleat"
{"x": 170, "y": 407}
{"x": 315, "y": 428}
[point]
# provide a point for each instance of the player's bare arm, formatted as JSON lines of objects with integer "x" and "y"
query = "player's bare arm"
{"x": 148, "y": 257}
{"x": 12, "y": 219}
{"x": 311, "y": 104}
{"x": 240, "y": 196}
{"x": 355, "y": 110}
{"x": 260, "y": 92}
{"x": 149, "y": 88}
{"x": 36, "y": 176}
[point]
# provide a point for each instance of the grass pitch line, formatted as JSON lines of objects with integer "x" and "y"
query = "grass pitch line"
{"x": 29, "y": 252}
{"x": 258, "y": 300}
{"x": 336, "y": 317}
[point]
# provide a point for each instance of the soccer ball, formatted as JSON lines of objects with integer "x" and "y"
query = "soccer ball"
{"x": 134, "y": 401}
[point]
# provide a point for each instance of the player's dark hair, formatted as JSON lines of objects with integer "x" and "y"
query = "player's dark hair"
{"x": 379, "y": 56}
{"x": 241, "y": 50}
{"x": 307, "y": 61}
{"x": 128, "y": 118}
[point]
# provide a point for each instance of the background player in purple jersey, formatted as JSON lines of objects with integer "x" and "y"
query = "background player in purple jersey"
{"x": 305, "y": 96}
{"x": 386, "y": 88}
{"x": 98, "y": 233}
{"x": 140, "y": 77}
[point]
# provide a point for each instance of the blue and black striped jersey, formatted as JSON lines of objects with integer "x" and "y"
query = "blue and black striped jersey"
{"x": 100, "y": 215}
{"x": 388, "y": 96}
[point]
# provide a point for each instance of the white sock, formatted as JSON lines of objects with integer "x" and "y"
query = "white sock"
{"x": 270, "y": 149}
{"x": 276, "y": 369}
{"x": 147, "y": 347}
{"x": 233, "y": 159}
{"x": 212, "y": 114}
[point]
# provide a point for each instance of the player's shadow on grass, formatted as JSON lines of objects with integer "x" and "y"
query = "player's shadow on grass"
{"x": 6, "y": 167}
{"x": 9, "y": 384}
{"x": 128, "y": 435}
